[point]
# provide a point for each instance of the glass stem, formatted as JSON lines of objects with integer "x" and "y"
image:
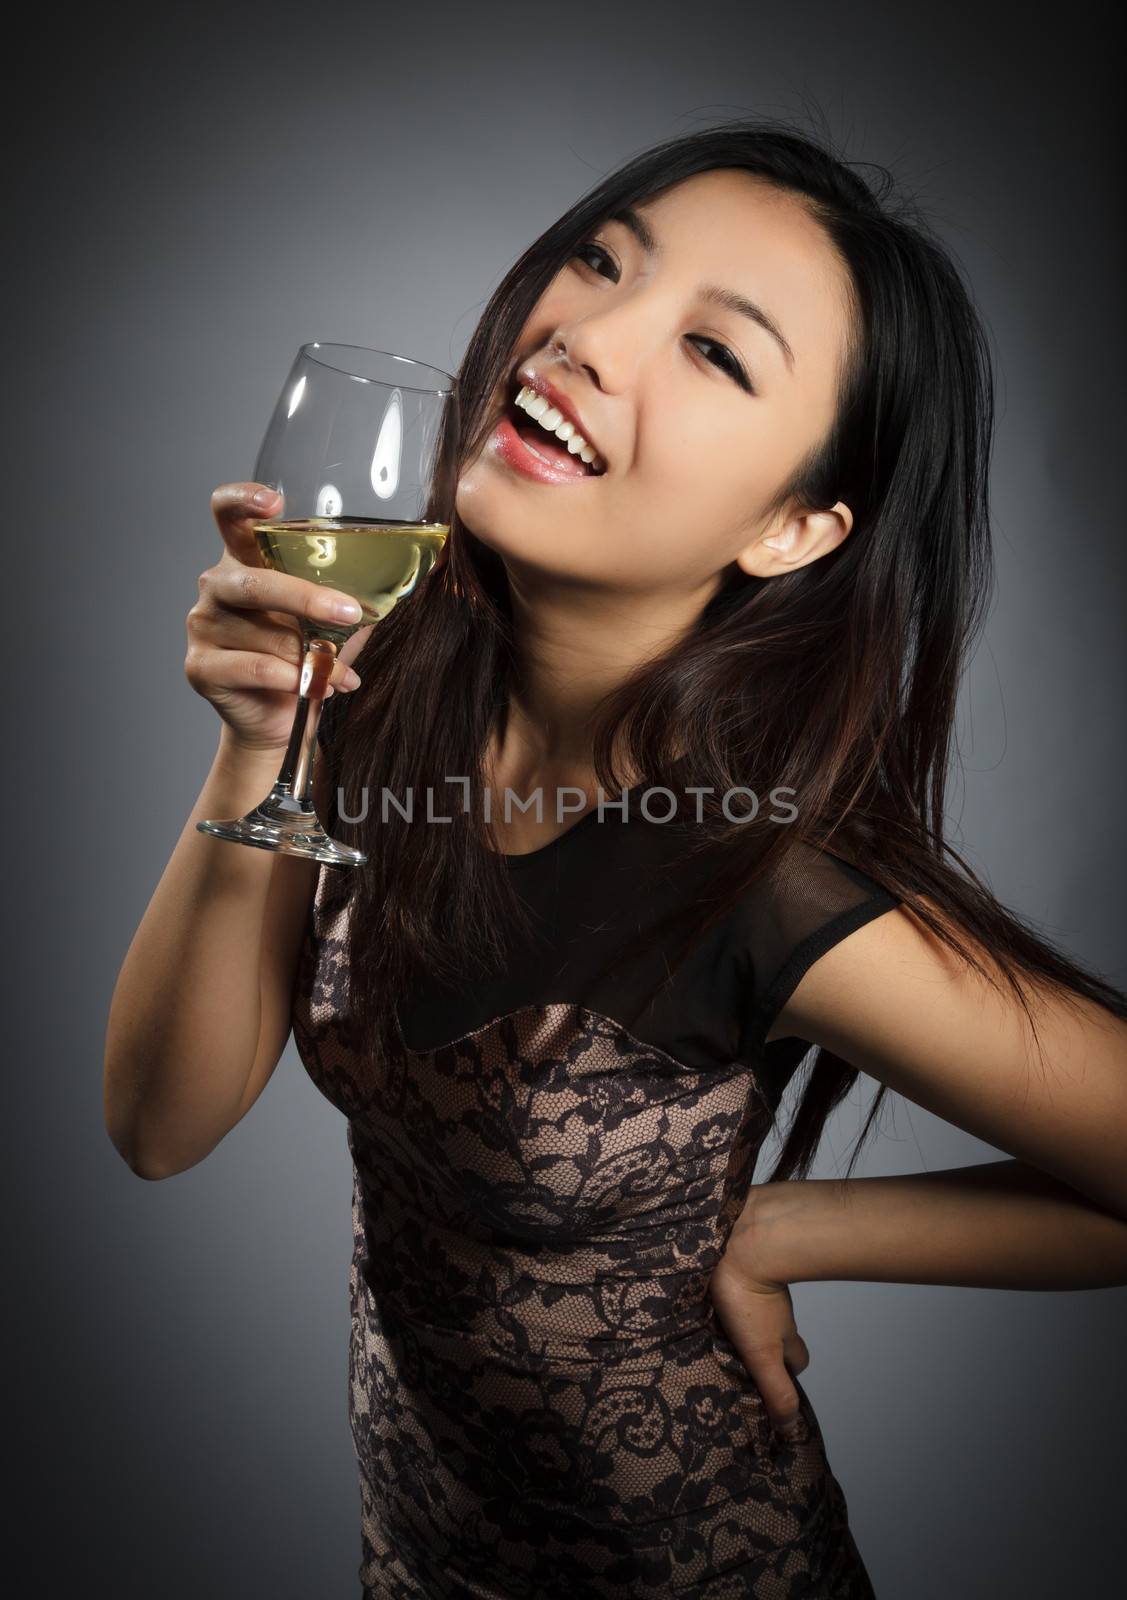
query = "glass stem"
{"x": 297, "y": 765}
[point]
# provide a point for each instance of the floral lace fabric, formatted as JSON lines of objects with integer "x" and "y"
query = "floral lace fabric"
{"x": 543, "y": 1403}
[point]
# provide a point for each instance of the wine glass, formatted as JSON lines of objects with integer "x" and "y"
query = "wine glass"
{"x": 362, "y": 448}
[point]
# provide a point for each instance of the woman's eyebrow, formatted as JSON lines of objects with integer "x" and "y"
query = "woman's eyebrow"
{"x": 712, "y": 292}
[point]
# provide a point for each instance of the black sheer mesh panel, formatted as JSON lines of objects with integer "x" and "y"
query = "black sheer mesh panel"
{"x": 814, "y": 901}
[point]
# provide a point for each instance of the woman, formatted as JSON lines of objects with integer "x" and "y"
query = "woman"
{"x": 744, "y": 581}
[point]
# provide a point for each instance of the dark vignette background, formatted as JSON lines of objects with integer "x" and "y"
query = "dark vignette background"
{"x": 193, "y": 193}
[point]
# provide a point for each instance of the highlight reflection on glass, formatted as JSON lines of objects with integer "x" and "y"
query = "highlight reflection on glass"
{"x": 362, "y": 447}
{"x": 389, "y": 448}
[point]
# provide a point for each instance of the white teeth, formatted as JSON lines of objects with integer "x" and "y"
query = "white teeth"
{"x": 549, "y": 418}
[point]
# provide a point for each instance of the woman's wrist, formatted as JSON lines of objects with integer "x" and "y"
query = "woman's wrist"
{"x": 772, "y": 1235}
{"x": 235, "y": 758}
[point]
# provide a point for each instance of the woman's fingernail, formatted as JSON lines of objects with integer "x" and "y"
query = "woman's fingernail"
{"x": 351, "y": 679}
{"x": 265, "y": 497}
{"x": 789, "y": 1430}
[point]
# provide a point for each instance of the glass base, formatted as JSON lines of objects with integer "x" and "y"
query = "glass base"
{"x": 284, "y": 824}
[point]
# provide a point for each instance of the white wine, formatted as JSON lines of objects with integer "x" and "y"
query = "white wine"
{"x": 377, "y": 563}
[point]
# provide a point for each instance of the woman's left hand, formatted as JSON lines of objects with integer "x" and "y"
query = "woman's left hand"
{"x": 758, "y": 1317}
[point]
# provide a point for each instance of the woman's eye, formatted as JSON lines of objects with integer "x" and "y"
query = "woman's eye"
{"x": 597, "y": 249}
{"x": 728, "y": 364}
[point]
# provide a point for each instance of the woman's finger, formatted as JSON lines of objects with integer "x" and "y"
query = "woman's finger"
{"x": 271, "y": 632}
{"x": 236, "y": 507}
{"x": 795, "y": 1353}
{"x": 218, "y": 628}
{"x": 210, "y": 669}
{"x": 774, "y": 1383}
{"x": 758, "y": 1318}
{"x": 354, "y": 644}
{"x": 230, "y": 583}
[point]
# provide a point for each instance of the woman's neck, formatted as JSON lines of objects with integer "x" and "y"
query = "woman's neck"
{"x": 574, "y": 646}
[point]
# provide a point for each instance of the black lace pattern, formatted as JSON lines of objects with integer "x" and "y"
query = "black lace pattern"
{"x": 542, "y": 1401}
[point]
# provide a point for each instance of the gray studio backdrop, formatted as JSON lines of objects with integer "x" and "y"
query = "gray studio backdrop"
{"x": 195, "y": 193}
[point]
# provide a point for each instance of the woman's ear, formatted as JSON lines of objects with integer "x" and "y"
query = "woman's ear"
{"x": 793, "y": 542}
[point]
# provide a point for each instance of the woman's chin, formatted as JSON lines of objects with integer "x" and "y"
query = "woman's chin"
{"x": 477, "y": 500}
{"x": 530, "y": 543}
{"x": 490, "y": 513}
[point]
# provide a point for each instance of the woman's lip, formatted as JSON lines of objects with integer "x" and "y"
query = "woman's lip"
{"x": 511, "y": 448}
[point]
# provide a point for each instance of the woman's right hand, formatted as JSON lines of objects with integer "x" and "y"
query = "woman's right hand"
{"x": 244, "y": 645}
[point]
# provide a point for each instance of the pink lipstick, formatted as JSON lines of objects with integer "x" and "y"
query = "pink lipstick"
{"x": 507, "y": 444}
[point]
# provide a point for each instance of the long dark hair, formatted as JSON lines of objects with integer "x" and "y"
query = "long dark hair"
{"x": 839, "y": 678}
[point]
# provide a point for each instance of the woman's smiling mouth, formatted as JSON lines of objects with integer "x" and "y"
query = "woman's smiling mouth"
{"x": 532, "y": 450}
{"x": 551, "y": 411}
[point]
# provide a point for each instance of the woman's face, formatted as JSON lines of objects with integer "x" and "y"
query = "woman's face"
{"x": 693, "y": 457}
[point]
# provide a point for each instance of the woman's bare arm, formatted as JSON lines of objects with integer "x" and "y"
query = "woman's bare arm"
{"x": 201, "y": 1010}
{"x": 996, "y": 1225}
{"x": 894, "y": 1001}
{"x": 999, "y": 1225}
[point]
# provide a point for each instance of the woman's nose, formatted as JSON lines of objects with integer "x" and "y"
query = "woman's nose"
{"x": 609, "y": 343}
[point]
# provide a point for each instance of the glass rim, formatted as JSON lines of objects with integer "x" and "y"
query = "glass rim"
{"x": 307, "y": 350}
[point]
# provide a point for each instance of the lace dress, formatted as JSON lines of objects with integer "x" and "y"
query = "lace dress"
{"x": 543, "y": 1403}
